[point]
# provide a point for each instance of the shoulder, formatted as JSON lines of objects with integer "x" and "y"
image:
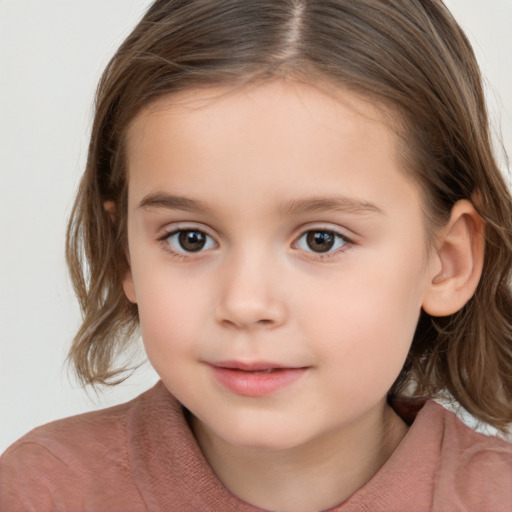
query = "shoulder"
{"x": 79, "y": 453}
{"x": 73, "y": 437}
{"x": 474, "y": 470}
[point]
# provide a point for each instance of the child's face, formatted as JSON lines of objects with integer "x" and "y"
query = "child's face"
{"x": 272, "y": 229}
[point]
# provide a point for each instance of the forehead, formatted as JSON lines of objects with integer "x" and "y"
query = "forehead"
{"x": 319, "y": 102}
{"x": 277, "y": 138}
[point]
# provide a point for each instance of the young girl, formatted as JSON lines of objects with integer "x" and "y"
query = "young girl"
{"x": 297, "y": 203}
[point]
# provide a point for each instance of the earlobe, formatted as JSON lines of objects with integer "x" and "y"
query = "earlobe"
{"x": 110, "y": 208}
{"x": 459, "y": 262}
{"x": 129, "y": 288}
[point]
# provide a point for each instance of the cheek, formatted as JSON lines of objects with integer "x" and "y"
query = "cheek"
{"x": 170, "y": 310}
{"x": 369, "y": 344}
{"x": 367, "y": 321}
{"x": 168, "y": 328}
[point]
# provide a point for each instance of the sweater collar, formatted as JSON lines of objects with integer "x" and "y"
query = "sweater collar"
{"x": 172, "y": 474}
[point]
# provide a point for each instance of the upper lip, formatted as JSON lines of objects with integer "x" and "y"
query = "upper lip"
{"x": 252, "y": 366}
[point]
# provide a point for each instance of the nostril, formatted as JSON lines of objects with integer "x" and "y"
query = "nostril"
{"x": 264, "y": 322}
{"x": 249, "y": 312}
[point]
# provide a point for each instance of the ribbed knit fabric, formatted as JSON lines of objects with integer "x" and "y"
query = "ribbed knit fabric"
{"x": 142, "y": 456}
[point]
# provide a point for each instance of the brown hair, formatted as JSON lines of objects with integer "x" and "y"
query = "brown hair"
{"x": 409, "y": 56}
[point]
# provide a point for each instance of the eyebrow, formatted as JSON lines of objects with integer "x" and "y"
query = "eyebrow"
{"x": 337, "y": 203}
{"x": 170, "y": 202}
{"x": 345, "y": 204}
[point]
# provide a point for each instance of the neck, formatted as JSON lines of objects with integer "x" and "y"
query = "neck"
{"x": 314, "y": 476}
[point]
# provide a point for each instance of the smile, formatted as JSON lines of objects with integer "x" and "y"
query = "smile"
{"x": 255, "y": 379}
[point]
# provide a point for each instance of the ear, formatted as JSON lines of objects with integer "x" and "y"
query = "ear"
{"x": 128, "y": 286}
{"x": 110, "y": 208}
{"x": 458, "y": 261}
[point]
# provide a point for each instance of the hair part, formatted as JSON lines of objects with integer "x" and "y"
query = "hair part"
{"x": 411, "y": 57}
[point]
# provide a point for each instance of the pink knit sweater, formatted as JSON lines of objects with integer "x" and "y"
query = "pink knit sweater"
{"x": 142, "y": 456}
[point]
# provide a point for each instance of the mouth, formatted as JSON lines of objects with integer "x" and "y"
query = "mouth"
{"x": 256, "y": 366}
{"x": 256, "y": 379}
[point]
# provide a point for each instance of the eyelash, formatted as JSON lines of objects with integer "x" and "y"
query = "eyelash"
{"x": 180, "y": 255}
{"x": 330, "y": 254}
{"x": 322, "y": 256}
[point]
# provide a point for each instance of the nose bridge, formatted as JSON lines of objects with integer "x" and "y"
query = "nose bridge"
{"x": 250, "y": 293}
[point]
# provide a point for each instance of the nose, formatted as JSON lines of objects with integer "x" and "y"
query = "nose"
{"x": 251, "y": 293}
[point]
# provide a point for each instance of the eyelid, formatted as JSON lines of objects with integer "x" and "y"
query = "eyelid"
{"x": 175, "y": 228}
{"x": 175, "y": 247}
{"x": 343, "y": 232}
{"x": 337, "y": 231}
{"x": 170, "y": 230}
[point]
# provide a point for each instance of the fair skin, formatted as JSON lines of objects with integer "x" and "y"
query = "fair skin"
{"x": 278, "y": 260}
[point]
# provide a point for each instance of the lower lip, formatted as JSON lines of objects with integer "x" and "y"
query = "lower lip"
{"x": 248, "y": 383}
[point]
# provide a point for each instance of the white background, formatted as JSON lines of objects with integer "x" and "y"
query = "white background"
{"x": 51, "y": 57}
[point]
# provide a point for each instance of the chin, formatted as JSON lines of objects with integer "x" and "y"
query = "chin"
{"x": 263, "y": 438}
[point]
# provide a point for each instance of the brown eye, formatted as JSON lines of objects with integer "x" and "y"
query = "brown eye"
{"x": 189, "y": 241}
{"x": 320, "y": 241}
{"x": 192, "y": 241}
